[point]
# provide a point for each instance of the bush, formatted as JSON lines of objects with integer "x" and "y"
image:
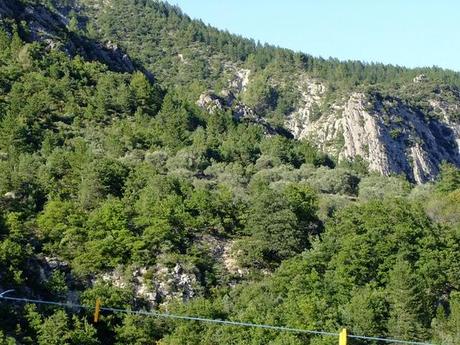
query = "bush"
{"x": 380, "y": 187}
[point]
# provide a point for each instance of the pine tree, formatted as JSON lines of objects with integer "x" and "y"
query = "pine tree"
{"x": 405, "y": 303}
{"x": 4, "y": 46}
{"x": 446, "y": 326}
{"x": 16, "y": 43}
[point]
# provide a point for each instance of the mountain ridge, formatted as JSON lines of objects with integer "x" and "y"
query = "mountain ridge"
{"x": 276, "y": 90}
{"x": 280, "y": 95}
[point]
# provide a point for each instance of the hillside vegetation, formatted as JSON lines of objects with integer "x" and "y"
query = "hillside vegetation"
{"x": 115, "y": 184}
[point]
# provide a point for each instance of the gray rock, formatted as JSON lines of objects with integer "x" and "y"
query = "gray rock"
{"x": 210, "y": 102}
{"x": 421, "y": 78}
{"x": 392, "y": 138}
{"x": 10, "y": 195}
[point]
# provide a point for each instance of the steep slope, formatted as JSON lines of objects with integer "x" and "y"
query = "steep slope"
{"x": 391, "y": 135}
{"x": 403, "y": 121}
{"x": 191, "y": 198}
{"x": 56, "y": 30}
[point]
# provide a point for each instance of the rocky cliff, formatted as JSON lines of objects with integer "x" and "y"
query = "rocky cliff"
{"x": 52, "y": 27}
{"x": 392, "y": 136}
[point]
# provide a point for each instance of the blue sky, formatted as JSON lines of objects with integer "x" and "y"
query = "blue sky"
{"x": 401, "y": 32}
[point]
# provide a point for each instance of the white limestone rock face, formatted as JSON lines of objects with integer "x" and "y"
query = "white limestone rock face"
{"x": 159, "y": 284}
{"x": 210, "y": 102}
{"x": 240, "y": 81}
{"x": 445, "y": 109}
{"x": 227, "y": 98}
{"x": 162, "y": 283}
{"x": 395, "y": 138}
{"x": 391, "y": 136}
{"x": 363, "y": 135}
{"x": 311, "y": 92}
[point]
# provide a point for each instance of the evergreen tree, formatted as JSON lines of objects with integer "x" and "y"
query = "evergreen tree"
{"x": 406, "y": 303}
{"x": 446, "y": 326}
{"x": 449, "y": 178}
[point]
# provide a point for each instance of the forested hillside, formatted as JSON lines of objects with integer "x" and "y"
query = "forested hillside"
{"x": 338, "y": 106}
{"x": 146, "y": 159}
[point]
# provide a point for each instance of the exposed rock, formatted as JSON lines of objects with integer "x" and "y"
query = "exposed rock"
{"x": 54, "y": 263}
{"x": 230, "y": 262}
{"x": 446, "y": 109}
{"x": 228, "y": 96}
{"x": 243, "y": 111}
{"x": 397, "y": 140}
{"x": 10, "y": 195}
{"x": 164, "y": 282}
{"x": 50, "y": 27}
{"x": 422, "y": 166}
{"x": 45, "y": 266}
{"x": 176, "y": 283}
{"x": 159, "y": 284}
{"x": 222, "y": 251}
{"x": 224, "y": 254}
{"x": 392, "y": 138}
{"x": 210, "y": 102}
{"x": 240, "y": 81}
{"x": 421, "y": 78}
{"x": 299, "y": 121}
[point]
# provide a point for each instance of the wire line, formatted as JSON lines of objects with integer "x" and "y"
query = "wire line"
{"x": 202, "y": 319}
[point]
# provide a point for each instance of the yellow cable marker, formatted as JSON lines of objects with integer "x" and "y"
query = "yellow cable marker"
{"x": 343, "y": 337}
{"x": 97, "y": 310}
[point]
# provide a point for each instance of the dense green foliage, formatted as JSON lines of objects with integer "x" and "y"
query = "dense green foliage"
{"x": 193, "y": 53}
{"x": 166, "y": 25}
{"x": 107, "y": 174}
{"x": 191, "y": 56}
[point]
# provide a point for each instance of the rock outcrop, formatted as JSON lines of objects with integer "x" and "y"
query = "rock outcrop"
{"x": 159, "y": 284}
{"x": 311, "y": 91}
{"x": 211, "y": 102}
{"x": 51, "y": 27}
{"x": 391, "y": 136}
